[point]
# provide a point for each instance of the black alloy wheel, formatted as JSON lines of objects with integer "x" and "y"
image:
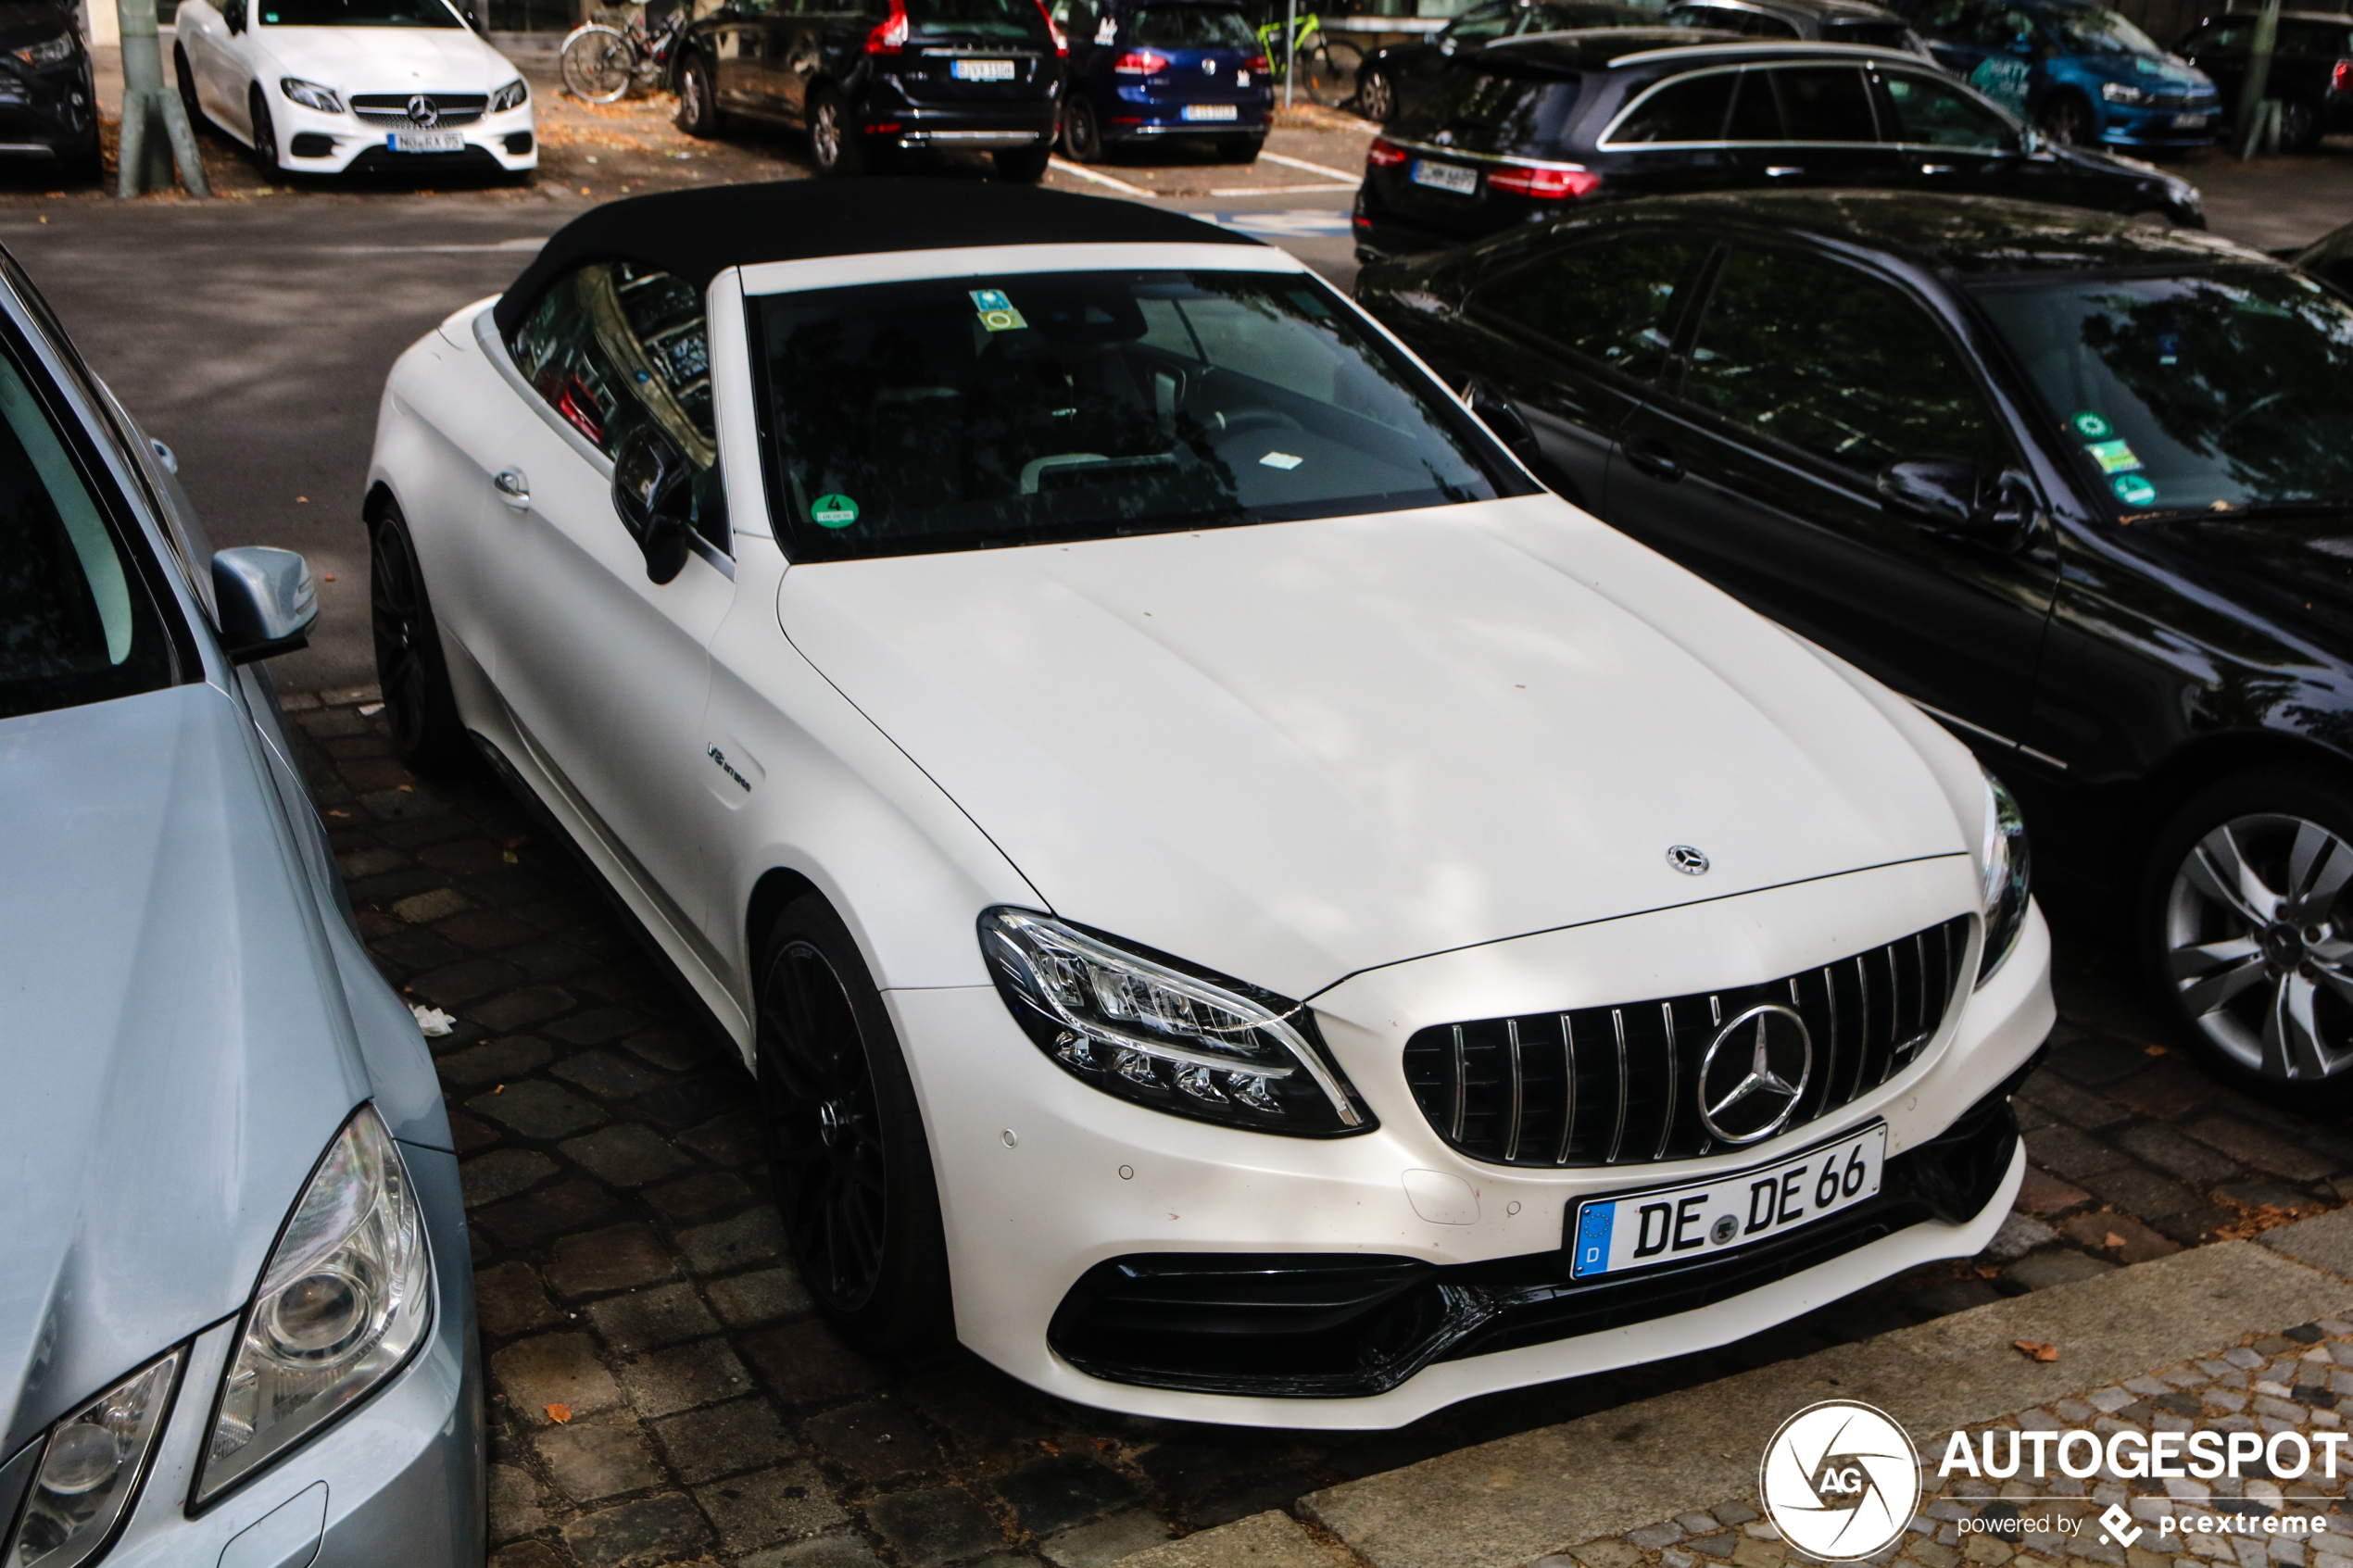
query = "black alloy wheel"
{"x": 1082, "y": 132}
{"x": 834, "y": 142}
{"x": 698, "y": 106}
{"x": 2067, "y": 119}
{"x": 1023, "y": 165}
{"x": 2247, "y": 934}
{"x": 420, "y": 708}
{"x": 846, "y": 1139}
{"x": 265, "y": 135}
{"x": 1375, "y": 98}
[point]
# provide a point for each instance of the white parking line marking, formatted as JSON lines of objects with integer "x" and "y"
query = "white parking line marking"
{"x": 1103, "y": 179}
{"x": 1277, "y": 190}
{"x": 1311, "y": 168}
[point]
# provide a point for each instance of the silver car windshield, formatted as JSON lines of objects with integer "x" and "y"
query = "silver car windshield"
{"x": 358, "y": 13}
{"x": 971, "y": 413}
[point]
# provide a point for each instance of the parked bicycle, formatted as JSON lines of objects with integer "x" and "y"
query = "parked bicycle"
{"x": 601, "y": 62}
{"x": 1327, "y": 66}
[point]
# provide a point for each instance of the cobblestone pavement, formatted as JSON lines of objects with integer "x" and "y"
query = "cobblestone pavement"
{"x": 2288, "y": 1382}
{"x": 659, "y": 1390}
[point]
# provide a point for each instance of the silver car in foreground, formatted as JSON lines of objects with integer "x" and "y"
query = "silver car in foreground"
{"x": 236, "y": 1305}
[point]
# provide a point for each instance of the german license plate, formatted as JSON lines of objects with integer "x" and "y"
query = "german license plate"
{"x": 1209, "y": 111}
{"x": 981, "y": 70}
{"x": 428, "y": 141}
{"x": 2191, "y": 121}
{"x": 1612, "y": 1235}
{"x": 1445, "y": 177}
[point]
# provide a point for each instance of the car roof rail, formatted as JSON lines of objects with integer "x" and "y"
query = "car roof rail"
{"x": 1771, "y": 48}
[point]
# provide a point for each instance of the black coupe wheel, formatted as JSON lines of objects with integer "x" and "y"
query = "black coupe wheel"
{"x": 2067, "y": 119}
{"x": 1375, "y": 99}
{"x": 2248, "y": 934}
{"x": 846, "y": 1139}
{"x": 698, "y": 107}
{"x": 1082, "y": 133}
{"x": 834, "y": 142}
{"x": 420, "y": 707}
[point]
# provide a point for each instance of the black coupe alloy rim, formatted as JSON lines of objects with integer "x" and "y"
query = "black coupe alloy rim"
{"x": 2257, "y": 945}
{"x": 399, "y": 622}
{"x": 828, "y": 1138}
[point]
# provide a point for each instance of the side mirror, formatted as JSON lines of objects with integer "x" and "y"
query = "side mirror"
{"x": 1496, "y": 412}
{"x": 234, "y": 15}
{"x": 267, "y": 601}
{"x": 652, "y": 492}
{"x": 1953, "y": 496}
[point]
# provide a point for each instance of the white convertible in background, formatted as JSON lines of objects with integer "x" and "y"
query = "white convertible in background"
{"x": 1237, "y": 900}
{"x": 356, "y": 86}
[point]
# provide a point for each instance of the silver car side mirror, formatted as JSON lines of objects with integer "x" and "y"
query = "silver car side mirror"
{"x": 267, "y": 600}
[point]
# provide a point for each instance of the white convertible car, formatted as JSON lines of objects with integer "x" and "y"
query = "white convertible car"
{"x": 355, "y": 86}
{"x": 1238, "y": 901}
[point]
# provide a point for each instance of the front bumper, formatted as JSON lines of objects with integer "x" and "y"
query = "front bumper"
{"x": 311, "y": 142}
{"x": 397, "y": 1480}
{"x": 2123, "y": 127}
{"x": 1043, "y": 1180}
{"x": 51, "y": 112}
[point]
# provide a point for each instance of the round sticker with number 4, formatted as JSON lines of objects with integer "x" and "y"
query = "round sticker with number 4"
{"x": 834, "y": 511}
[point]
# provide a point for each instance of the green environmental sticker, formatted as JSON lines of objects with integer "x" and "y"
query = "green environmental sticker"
{"x": 997, "y": 312}
{"x": 2133, "y": 490}
{"x": 834, "y": 511}
{"x": 2091, "y": 427}
{"x": 2114, "y": 457}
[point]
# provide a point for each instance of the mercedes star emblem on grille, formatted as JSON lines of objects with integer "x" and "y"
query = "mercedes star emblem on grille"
{"x": 1754, "y": 1072}
{"x": 1688, "y": 860}
{"x": 423, "y": 112}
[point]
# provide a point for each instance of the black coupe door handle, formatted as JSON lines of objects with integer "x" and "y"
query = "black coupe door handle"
{"x": 1652, "y": 458}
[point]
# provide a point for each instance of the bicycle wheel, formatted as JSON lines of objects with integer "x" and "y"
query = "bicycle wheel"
{"x": 599, "y": 63}
{"x": 1327, "y": 72}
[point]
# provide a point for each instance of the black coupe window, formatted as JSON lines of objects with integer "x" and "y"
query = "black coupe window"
{"x": 2220, "y": 390}
{"x": 1690, "y": 111}
{"x": 1824, "y": 104}
{"x": 920, "y": 416}
{"x": 1934, "y": 113}
{"x": 1194, "y": 27}
{"x": 1009, "y": 19}
{"x": 1611, "y": 301}
{"x": 1836, "y": 364}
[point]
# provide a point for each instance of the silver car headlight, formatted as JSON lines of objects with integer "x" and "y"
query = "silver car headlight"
{"x": 310, "y": 95}
{"x": 1139, "y": 1026}
{"x": 49, "y": 52}
{"x": 2002, "y": 860}
{"x": 2119, "y": 93}
{"x": 512, "y": 97}
{"x": 90, "y": 1471}
{"x": 345, "y": 1297}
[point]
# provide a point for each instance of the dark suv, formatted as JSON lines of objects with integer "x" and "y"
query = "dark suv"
{"x": 2312, "y": 69}
{"x": 872, "y": 78}
{"x": 1820, "y": 22}
{"x": 1395, "y": 71}
{"x": 1528, "y": 127}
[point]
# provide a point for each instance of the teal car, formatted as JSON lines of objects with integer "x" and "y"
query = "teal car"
{"x": 2080, "y": 72}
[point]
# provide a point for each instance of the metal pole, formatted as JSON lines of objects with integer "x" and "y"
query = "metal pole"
{"x": 2258, "y": 78}
{"x": 1291, "y": 51}
{"x": 156, "y": 132}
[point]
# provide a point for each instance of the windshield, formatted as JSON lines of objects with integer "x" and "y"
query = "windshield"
{"x": 1019, "y": 20}
{"x": 971, "y": 413}
{"x": 2094, "y": 32}
{"x": 1194, "y": 27}
{"x": 76, "y": 624}
{"x": 358, "y": 13}
{"x": 2211, "y": 391}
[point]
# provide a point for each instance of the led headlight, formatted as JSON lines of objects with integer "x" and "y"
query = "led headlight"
{"x": 1141, "y": 1027}
{"x": 89, "y": 1470}
{"x": 310, "y": 95}
{"x": 345, "y": 1297}
{"x": 49, "y": 52}
{"x": 2120, "y": 93}
{"x": 512, "y": 97}
{"x": 2002, "y": 860}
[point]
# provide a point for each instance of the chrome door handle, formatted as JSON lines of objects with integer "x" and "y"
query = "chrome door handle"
{"x": 1783, "y": 170}
{"x": 512, "y": 487}
{"x": 1936, "y": 169}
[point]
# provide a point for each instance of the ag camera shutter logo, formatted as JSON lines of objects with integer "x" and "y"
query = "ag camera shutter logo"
{"x": 1840, "y": 1480}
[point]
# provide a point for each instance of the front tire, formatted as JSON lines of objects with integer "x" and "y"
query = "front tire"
{"x": 421, "y": 708}
{"x": 1023, "y": 166}
{"x": 265, "y": 137}
{"x": 1082, "y": 131}
{"x": 1375, "y": 96}
{"x": 846, "y": 1138}
{"x": 834, "y": 143}
{"x": 2066, "y": 118}
{"x": 698, "y": 103}
{"x": 2247, "y": 936}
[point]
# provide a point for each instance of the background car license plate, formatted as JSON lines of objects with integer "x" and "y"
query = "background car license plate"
{"x": 1446, "y": 176}
{"x": 1612, "y": 1235}
{"x": 2189, "y": 122}
{"x": 428, "y": 141}
{"x": 981, "y": 70}
{"x": 1208, "y": 111}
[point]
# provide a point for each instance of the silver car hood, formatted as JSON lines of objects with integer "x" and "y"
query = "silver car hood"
{"x": 176, "y": 1050}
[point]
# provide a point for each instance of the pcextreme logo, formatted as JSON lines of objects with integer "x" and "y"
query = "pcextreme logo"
{"x": 1840, "y": 1480}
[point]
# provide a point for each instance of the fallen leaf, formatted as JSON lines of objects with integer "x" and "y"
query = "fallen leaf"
{"x": 408, "y": 789}
{"x": 331, "y": 576}
{"x": 2039, "y": 1352}
{"x": 2159, "y": 1050}
{"x": 2112, "y": 1239}
{"x": 519, "y": 841}
{"x": 338, "y": 813}
{"x": 499, "y": 1090}
{"x": 302, "y": 500}
{"x": 510, "y": 857}
{"x": 558, "y": 1413}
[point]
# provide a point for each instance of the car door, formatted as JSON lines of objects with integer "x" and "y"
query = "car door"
{"x": 797, "y": 40}
{"x": 740, "y": 37}
{"x": 1572, "y": 339}
{"x": 1828, "y": 133}
{"x": 1756, "y": 465}
{"x": 1947, "y": 138}
{"x": 217, "y": 41}
{"x": 603, "y": 670}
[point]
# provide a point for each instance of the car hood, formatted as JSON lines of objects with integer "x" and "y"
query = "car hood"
{"x": 2143, "y": 70}
{"x": 29, "y": 21}
{"x": 1297, "y": 750}
{"x": 2293, "y": 573}
{"x": 388, "y": 60}
{"x": 176, "y": 1055}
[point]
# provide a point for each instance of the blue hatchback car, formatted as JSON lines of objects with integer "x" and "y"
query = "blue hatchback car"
{"x": 1145, "y": 71}
{"x": 2080, "y": 72}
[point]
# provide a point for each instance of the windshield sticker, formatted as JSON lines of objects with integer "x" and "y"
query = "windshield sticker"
{"x": 997, "y": 312}
{"x": 2114, "y": 457}
{"x": 836, "y": 510}
{"x": 2091, "y": 427}
{"x": 1283, "y": 460}
{"x": 1106, "y": 30}
{"x": 2169, "y": 348}
{"x": 2133, "y": 490}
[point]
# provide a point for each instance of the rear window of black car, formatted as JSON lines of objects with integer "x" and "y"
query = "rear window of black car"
{"x": 1492, "y": 106}
{"x": 1194, "y": 27}
{"x": 1877, "y": 34}
{"x": 979, "y": 18}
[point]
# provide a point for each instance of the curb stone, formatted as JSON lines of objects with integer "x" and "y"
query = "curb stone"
{"x": 1263, "y": 1540}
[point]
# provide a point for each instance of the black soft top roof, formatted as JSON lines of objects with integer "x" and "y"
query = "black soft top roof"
{"x": 698, "y": 234}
